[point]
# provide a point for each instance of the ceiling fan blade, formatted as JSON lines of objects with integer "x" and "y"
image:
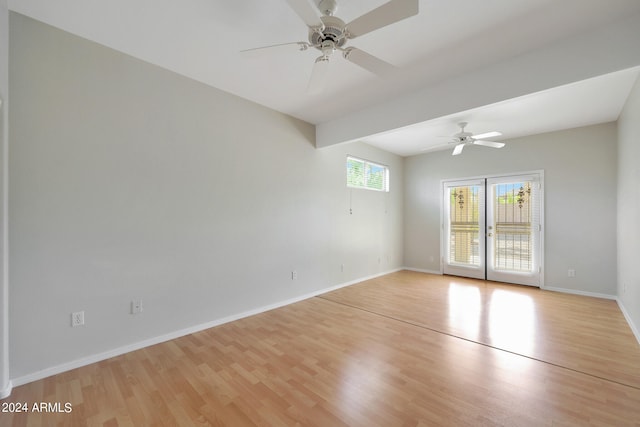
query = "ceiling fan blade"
{"x": 491, "y": 144}
{"x": 368, "y": 62}
{"x": 307, "y": 11}
{"x": 387, "y": 14}
{"x": 318, "y": 75}
{"x": 458, "y": 149}
{"x": 486, "y": 135}
{"x": 250, "y": 52}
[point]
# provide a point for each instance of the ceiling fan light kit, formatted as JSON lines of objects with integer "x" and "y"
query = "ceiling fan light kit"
{"x": 328, "y": 33}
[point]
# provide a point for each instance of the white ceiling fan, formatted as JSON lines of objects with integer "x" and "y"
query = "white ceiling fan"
{"x": 328, "y": 33}
{"x": 463, "y": 138}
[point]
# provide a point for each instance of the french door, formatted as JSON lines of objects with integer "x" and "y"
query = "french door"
{"x": 492, "y": 228}
{"x": 464, "y": 214}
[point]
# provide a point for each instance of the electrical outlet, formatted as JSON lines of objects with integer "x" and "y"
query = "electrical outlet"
{"x": 571, "y": 273}
{"x": 77, "y": 318}
{"x": 136, "y": 306}
{"x": 294, "y": 275}
{"x": 342, "y": 268}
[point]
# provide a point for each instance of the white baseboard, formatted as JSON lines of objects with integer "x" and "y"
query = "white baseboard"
{"x": 54, "y": 370}
{"x": 419, "y": 270}
{"x": 632, "y": 325}
{"x": 576, "y": 292}
{"x": 6, "y": 391}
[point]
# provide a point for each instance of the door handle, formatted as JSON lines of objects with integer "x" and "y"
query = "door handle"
{"x": 489, "y": 234}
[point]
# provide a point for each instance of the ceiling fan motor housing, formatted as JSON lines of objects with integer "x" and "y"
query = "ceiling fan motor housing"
{"x": 333, "y": 31}
{"x": 463, "y": 136}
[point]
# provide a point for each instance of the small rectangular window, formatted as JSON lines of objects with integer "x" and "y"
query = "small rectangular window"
{"x": 368, "y": 175}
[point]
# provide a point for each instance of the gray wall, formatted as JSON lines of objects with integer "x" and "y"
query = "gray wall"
{"x": 4, "y": 135}
{"x": 128, "y": 181}
{"x": 580, "y": 201}
{"x": 629, "y": 207}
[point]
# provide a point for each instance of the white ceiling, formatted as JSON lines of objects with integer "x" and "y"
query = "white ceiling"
{"x": 202, "y": 39}
{"x": 591, "y": 101}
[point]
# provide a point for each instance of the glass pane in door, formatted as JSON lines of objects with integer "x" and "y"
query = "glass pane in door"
{"x": 464, "y": 229}
{"x": 512, "y": 221}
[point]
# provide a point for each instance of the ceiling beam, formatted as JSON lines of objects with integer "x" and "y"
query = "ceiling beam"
{"x": 600, "y": 51}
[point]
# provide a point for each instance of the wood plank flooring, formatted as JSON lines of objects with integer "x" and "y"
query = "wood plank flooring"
{"x": 400, "y": 350}
{"x": 586, "y": 334}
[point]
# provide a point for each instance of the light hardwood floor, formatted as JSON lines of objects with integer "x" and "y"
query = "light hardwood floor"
{"x": 406, "y": 349}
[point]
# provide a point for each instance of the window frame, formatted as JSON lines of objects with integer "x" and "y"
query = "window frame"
{"x": 368, "y": 164}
